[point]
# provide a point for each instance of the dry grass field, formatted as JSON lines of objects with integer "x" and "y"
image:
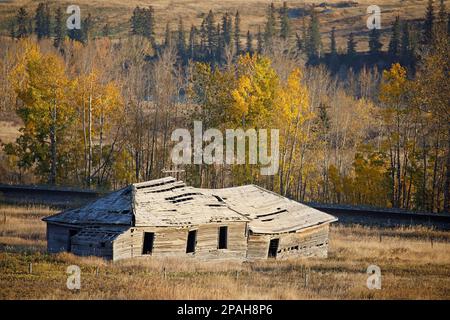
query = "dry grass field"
{"x": 346, "y": 19}
{"x": 412, "y": 266}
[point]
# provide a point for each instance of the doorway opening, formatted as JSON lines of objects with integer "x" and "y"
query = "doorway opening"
{"x": 147, "y": 247}
{"x": 273, "y": 248}
{"x": 223, "y": 237}
{"x": 191, "y": 241}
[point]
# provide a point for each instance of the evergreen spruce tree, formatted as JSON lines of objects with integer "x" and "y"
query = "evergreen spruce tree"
{"x": 181, "y": 40}
{"x": 136, "y": 21}
{"x": 148, "y": 24}
{"x": 219, "y": 45}
{"x": 237, "y": 33}
{"x": 443, "y": 18}
{"x": 333, "y": 57}
{"x": 47, "y": 21}
{"x": 203, "y": 39}
{"x": 87, "y": 28}
{"x": 226, "y": 29}
{"x": 351, "y": 46}
{"x": 192, "y": 42}
{"x": 299, "y": 43}
{"x": 285, "y": 27}
{"x": 394, "y": 43}
{"x": 211, "y": 35}
{"x": 314, "y": 42}
{"x": 249, "y": 44}
{"x": 375, "y": 44}
{"x": 40, "y": 21}
{"x": 22, "y": 23}
{"x": 259, "y": 41}
{"x": 406, "y": 53}
{"x": 106, "y": 30}
{"x": 428, "y": 25}
{"x": 270, "y": 28}
{"x": 58, "y": 28}
{"x": 333, "y": 50}
{"x": 167, "y": 36}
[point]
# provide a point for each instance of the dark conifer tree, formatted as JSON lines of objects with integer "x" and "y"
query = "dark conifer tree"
{"x": 58, "y": 28}
{"x": 314, "y": 42}
{"x": 428, "y": 25}
{"x": 259, "y": 41}
{"x": 333, "y": 57}
{"x": 237, "y": 33}
{"x": 193, "y": 42}
{"x": 41, "y": 21}
{"x": 22, "y": 23}
{"x": 270, "y": 28}
{"x": 443, "y": 18}
{"x": 148, "y": 21}
{"x": 181, "y": 40}
{"x": 333, "y": 50}
{"x": 47, "y": 21}
{"x": 226, "y": 29}
{"x": 285, "y": 24}
{"x": 375, "y": 44}
{"x": 299, "y": 43}
{"x": 106, "y": 30}
{"x": 351, "y": 46}
{"x": 211, "y": 35}
{"x": 167, "y": 36}
{"x": 406, "y": 53}
{"x": 249, "y": 44}
{"x": 219, "y": 45}
{"x": 394, "y": 43}
{"x": 136, "y": 21}
{"x": 87, "y": 28}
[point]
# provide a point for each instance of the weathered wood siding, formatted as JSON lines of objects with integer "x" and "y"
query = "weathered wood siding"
{"x": 92, "y": 248}
{"x": 309, "y": 242}
{"x": 258, "y": 246}
{"x": 170, "y": 241}
{"x": 57, "y": 238}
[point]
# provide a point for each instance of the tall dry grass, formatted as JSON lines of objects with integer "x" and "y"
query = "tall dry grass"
{"x": 412, "y": 266}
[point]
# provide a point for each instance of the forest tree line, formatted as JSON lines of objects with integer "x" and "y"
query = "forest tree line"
{"x": 99, "y": 113}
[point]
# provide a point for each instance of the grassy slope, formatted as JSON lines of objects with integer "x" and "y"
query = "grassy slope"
{"x": 412, "y": 268}
{"x": 117, "y": 13}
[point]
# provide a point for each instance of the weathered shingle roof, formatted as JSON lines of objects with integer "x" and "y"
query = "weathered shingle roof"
{"x": 168, "y": 202}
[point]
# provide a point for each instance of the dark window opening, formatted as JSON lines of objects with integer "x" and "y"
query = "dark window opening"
{"x": 72, "y": 233}
{"x": 147, "y": 247}
{"x": 273, "y": 248}
{"x": 191, "y": 241}
{"x": 102, "y": 244}
{"x": 223, "y": 237}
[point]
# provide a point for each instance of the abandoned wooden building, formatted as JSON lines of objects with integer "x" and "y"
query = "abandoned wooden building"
{"x": 165, "y": 217}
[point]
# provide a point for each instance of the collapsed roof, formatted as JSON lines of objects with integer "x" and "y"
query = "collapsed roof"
{"x": 167, "y": 202}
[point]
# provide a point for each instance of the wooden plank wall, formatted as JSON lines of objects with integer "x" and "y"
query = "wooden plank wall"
{"x": 92, "y": 248}
{"x": 171, "y": 241}
{"x": 310, "y": 242}
{"x": 57, "y": 238}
